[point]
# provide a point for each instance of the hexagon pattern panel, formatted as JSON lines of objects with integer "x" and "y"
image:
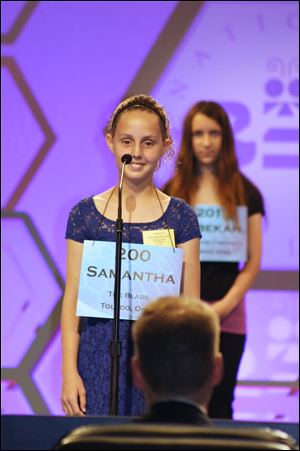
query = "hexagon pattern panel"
{"x": 29, "y": 283}
{"x": 13, "y": 399}
{"x": 65, "y": 65}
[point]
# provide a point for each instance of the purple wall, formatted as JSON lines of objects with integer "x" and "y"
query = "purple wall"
{"x": 65, "y": 65}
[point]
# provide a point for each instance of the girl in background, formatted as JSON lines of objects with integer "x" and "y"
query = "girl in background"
{"x": 207, "y": 175}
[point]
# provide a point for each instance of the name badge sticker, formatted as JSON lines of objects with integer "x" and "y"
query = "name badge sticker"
{"x": 222, "y": 240}
{"x": 161, "y": 237}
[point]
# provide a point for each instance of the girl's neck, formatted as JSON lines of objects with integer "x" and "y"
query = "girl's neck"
{"x": 208, "y": 169}
{"x": 130, "y": 189}
{"x": 208, "y": 174}
{"x": 207, "y": 191}
{"x": 133, "y": 204}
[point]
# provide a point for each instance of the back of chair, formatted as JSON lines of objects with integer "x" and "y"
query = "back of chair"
{"x": 140, "y": 436}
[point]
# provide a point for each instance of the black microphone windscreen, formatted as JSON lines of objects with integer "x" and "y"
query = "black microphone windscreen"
{"x": 126, "y": 158}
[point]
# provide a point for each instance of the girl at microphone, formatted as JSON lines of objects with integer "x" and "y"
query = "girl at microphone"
{"x": 138, "y": 127}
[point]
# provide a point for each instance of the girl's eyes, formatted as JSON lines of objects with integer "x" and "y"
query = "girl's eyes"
{"x": 216, "y": 133}
{"x": 128, "y": 142}
{"x": 213, "y": 133}
{"x": 197, "y": 134}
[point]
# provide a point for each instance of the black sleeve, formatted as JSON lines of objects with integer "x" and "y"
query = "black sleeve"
{"x": 254, "y": 198}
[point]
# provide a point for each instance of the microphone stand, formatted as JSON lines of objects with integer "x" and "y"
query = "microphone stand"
{"x": 115, "y": 345}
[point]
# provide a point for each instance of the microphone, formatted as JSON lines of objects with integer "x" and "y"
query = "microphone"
{"x": 126, "y": 158}
{"x": 115, "y": 344}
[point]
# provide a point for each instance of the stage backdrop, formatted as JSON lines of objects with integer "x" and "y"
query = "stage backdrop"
{"x": 65, "y": 66}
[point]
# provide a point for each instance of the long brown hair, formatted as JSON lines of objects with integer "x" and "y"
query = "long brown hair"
{"x": 184, "y": 183}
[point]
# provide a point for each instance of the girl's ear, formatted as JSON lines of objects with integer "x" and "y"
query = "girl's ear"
{"x": 109, "y": 141}
{"x": 167, "y": 145}
{"x": 167, "y": 149}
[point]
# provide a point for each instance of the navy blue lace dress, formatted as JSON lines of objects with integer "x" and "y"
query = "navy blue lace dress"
{"x": 87, "y": 223}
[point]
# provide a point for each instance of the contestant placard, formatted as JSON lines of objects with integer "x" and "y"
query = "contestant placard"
{"x": 146, "y": 273}
{"x": 222, "y": 240}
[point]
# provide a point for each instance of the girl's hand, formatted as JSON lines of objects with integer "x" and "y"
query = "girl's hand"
{"x": 73, "y": 395}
